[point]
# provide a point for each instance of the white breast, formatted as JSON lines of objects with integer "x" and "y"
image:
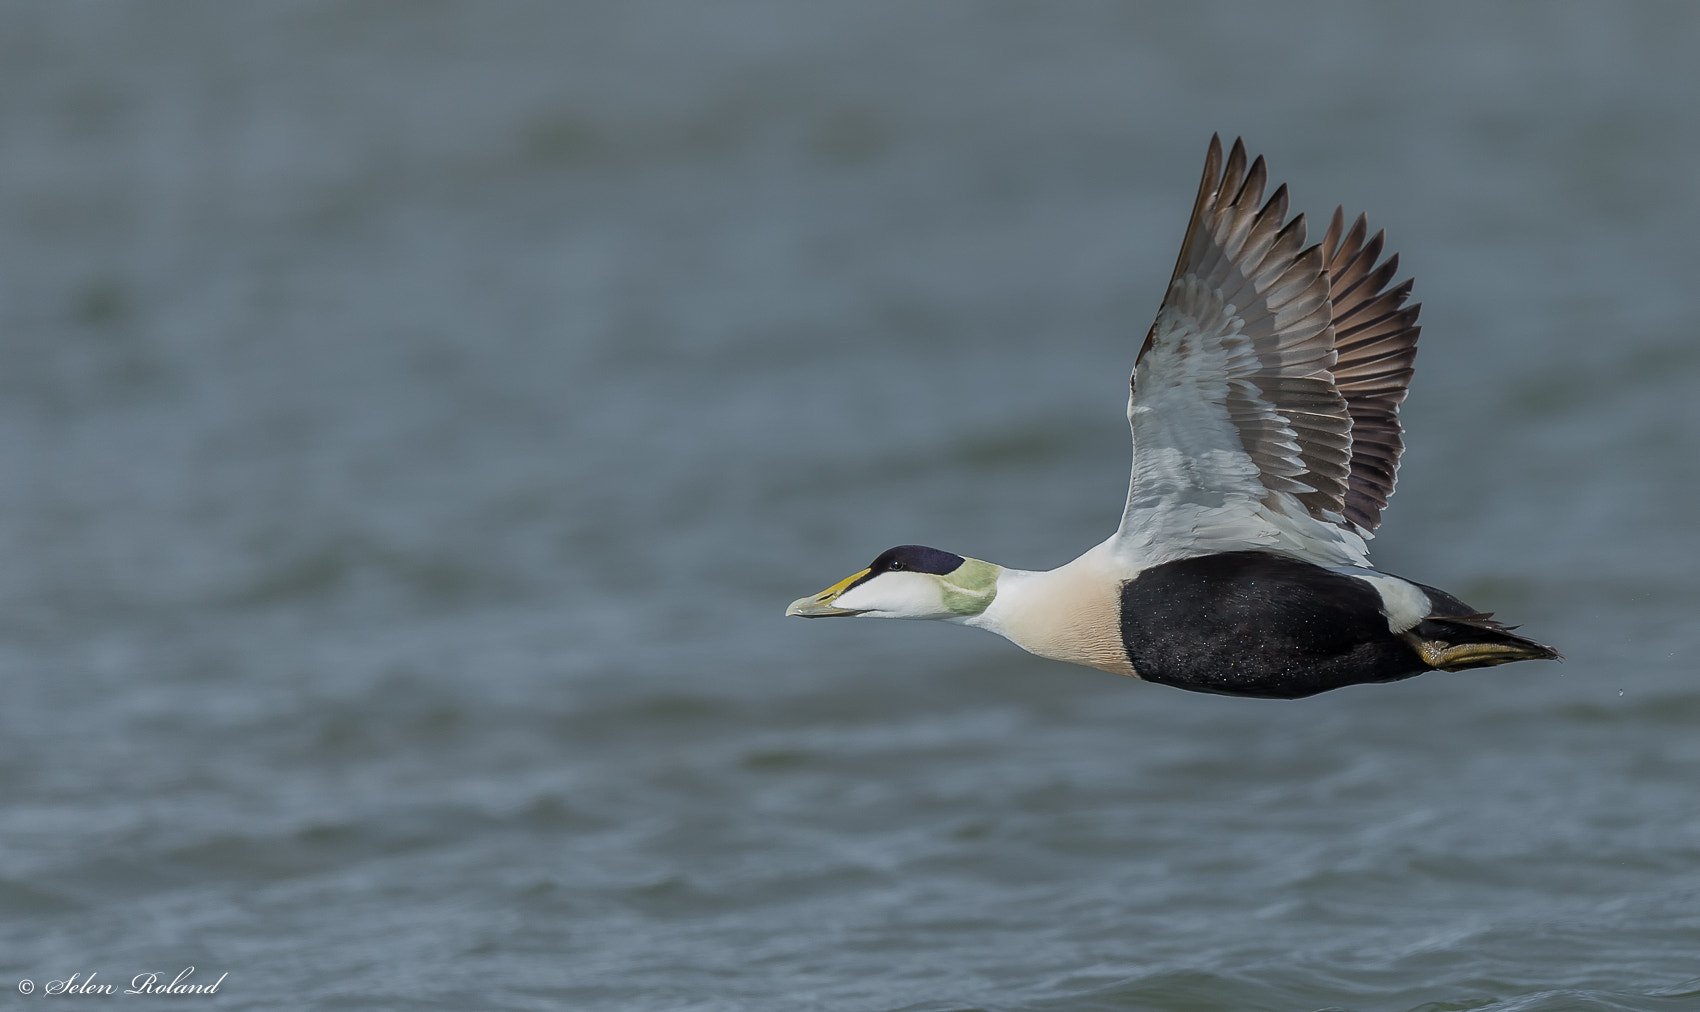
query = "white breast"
{"x": 1072, "y": 613}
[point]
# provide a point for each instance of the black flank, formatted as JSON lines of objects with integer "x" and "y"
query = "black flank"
{"x": 1255, "y": 624}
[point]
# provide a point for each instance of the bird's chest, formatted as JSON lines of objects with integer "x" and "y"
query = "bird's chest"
{"x": 1072, "y": 621}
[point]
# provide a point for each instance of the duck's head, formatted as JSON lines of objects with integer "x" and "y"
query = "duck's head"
{"x": 909, "y": 581}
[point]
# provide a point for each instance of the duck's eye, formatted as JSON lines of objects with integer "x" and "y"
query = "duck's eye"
{"x": 896, "y": 566}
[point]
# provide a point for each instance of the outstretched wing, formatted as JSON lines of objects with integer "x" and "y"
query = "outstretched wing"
{"x": 1243, "y": 437}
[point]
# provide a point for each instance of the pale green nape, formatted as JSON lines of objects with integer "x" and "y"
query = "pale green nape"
{"x": 970, "y": 589}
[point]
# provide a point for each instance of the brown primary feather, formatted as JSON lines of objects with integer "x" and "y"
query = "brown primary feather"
{"x": 1375, "y": 345}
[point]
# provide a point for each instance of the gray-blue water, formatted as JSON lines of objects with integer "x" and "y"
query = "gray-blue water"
{"x": 414, "y": 419}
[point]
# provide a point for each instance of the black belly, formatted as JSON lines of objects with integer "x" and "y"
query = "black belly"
{"x": 1255, "y": 624}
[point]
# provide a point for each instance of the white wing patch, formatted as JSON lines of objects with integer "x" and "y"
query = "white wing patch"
{"x": 1196, "y": 488}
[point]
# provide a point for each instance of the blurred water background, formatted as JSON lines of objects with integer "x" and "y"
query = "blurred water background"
{"x": 414, "y": 418}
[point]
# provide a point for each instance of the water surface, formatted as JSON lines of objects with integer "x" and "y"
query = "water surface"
{"x": 414, "y": 419}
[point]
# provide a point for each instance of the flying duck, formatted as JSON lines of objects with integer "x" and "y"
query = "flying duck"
{"x": 1264, "y": 406}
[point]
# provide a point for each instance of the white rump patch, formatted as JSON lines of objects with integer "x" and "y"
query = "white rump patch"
{"x": 1402, "y": 601}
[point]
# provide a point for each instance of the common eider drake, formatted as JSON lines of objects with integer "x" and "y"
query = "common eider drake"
{"x": 1264, "y": 410}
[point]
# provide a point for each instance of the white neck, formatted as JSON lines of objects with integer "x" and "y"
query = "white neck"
{"x": 1071, "y": 613}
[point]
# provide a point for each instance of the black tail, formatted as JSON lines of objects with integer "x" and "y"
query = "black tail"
{"x": 1457, "y": 636}
{"x": 1457, "y": 642}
